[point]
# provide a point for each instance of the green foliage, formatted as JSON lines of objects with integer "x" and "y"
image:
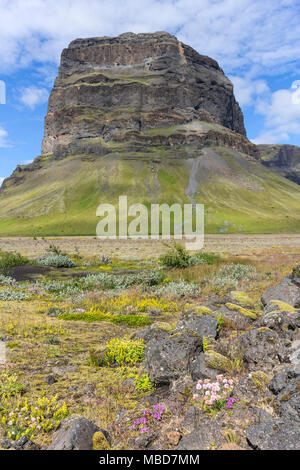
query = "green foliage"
{"x": 129, "y": 320}
{"x": 9, "y": 260}
{"x": 143, "y": 383}
{"x": 204, "y": 258}
{"x": 121, "y": 352}
{"x": 220, "y": 322}
{"x": 176, "y": 257}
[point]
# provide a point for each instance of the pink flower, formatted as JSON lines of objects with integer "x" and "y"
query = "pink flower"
{"x": 195, "y": 396}
{"x": 198, "y": 387}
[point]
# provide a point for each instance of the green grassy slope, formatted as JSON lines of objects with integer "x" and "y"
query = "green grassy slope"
{"x": 239, "y": 195}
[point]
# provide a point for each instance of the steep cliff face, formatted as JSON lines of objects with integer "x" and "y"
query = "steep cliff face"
{"x": 285, "y": 159}
{"x": 148, "y": 117}
{"x": 133, "y": 82}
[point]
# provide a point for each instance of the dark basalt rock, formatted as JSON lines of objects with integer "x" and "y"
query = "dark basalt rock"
{"x": 109, "y": 86}
{"x": 275, "y": 434}
{"x": 168, "y": 358}
{"x": 286, "y": 291}
{"x": 74, "y": 433}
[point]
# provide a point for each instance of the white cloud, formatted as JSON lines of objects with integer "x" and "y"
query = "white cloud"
{"x": 250, "y": 39}
{"x": 235, "y": 32}
{"x": 247, "y": 90}
{"x": 1, "y": 180}
{"x": 3, "y": 138}
{"x": 282, "y": 116}
{"x": 33, "y": 96}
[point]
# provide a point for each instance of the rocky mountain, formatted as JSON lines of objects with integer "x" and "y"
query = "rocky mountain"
{"x": 282, "y": 158}
{"x": 147, "y": 116}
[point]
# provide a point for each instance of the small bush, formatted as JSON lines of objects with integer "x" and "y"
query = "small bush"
{"x": 121, "y": 352}
{"x": 176, "y": 257}
{"x": 179, "y": 289}
{"x": 9, "y": 260}
{"x": 13, "y": 295}
{"x": 57, "y": 261}
{"x": 204, "y": 258}
{"x": 231, "y": 274}
{"x": 7, "y": 281}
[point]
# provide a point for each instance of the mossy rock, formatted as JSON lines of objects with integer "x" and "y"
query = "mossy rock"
{"x": 217, "y": 361}
{"x": 242, "y": 311}
{"x": 163, "y": 326}
{"x": 242, "y": 298}
{"x": 282, "y": 306}
{"x": 202, "y": 310}
{"x": 100, "y": 442}
{"x": 260, "y": 379}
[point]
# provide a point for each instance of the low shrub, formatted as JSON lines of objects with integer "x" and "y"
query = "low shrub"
{"x": 232, "y": 274}
{"x": 9, "y": 260}
{"x": 178, "y": 257}
{"x": 57, "y": 261}
{"x": 121, "y": 352}
{"x": 179, "y": 289}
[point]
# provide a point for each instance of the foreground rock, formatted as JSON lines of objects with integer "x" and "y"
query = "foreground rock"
{"x": 169, "y": 357}
{"x": 286, "y": 291}
{"x": 275, "y": 434}
{"x": 75, "y": 433}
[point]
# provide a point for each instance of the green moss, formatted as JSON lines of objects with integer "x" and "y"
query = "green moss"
{"x": 163, "y": 326}
{"x": 260, "y": 380}
{"x": 242, "y": 311}
{"x": 242, "y": 298}
{"x": 100, "y": 442}
{"x": 217, "y": 361}
{"x": 282, "y": 306}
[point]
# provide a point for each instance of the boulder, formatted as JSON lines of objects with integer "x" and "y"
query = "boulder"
{"x": 275, "y": 434}
{"x": 262, "y": 348}
{"x": 171, "y": 357}
{"x": 74, "y": 433}
{"x": 286, "y": 387}
{"x": 207, "y": 436}
{"x": 204, "y": 325}
{"x": 286, "y": 291}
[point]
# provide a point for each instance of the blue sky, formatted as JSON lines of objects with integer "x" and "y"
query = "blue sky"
{"x": 256, "y": 43}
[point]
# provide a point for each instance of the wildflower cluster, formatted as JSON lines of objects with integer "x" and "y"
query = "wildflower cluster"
{"x": 214, "y": 395}
{"x": 20, "y": 418}
{"x": 230, "y": 402}
{"x": 144, "y": 423}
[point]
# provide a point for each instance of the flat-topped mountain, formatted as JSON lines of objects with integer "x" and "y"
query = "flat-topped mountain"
{"x": 146, "y": 116}
{"x": 108, "y": 86}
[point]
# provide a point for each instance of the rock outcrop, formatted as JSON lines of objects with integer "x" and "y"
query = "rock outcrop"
{"x": 109, "y": 86}
{"x": 285, "y": 159}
